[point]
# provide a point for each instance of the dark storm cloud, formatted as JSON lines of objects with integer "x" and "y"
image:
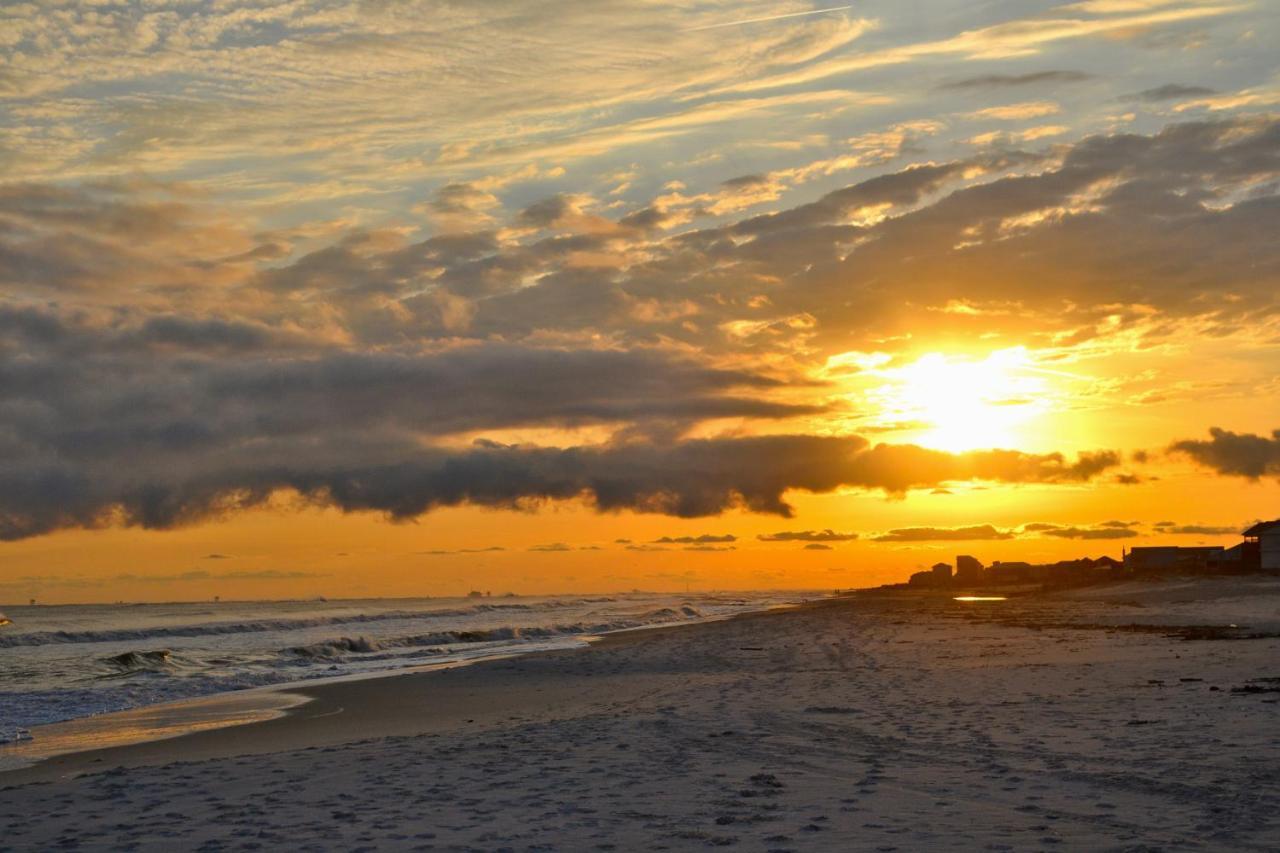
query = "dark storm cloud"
{"x": 1235, "y": 454}
{"x": 1009, "y": 81}
{"x": 943, "y": 534}
{"x": 827, "y": 535}
{"x": 40, "y": 492}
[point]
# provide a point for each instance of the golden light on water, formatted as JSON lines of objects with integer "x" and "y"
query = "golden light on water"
{"x": 980, "y": 598}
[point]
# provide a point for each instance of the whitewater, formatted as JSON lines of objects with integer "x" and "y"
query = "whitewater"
{"x": 66, "y": 662}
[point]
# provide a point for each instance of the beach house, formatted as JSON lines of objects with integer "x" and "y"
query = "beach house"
{"x": 1265, "y": 538}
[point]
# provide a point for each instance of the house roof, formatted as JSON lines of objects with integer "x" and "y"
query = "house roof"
{"x": 1263, "y": 527}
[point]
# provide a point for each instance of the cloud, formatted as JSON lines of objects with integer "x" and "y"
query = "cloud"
{"x": 440, "y": 552}
{"x": 943, "y": 534}
{"x": 827, "y": 535}
{"x": 1017, "y": 112}
{"x": 354, "y": 372}
{"x": 402, "y": 480}
{"x": 816, "y": 546}
{"x": 1170, "y": 92}
{"x": 1009, "y": 81}
{"x": 201, "y": 576}
{"x": 1019, "y": 37}
{"x": 1102, "y": 530}
{"x": 704, "y": 539}
{"x": 711, "y": 548}
{"x": 1235, "y": 454}
{"x": 554, "y": 546}
{"x": 1092, "y": 533}
{"x": 1198, "y": 529}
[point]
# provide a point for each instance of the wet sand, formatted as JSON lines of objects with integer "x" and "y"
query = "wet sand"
{"x": 1073, "y": 721}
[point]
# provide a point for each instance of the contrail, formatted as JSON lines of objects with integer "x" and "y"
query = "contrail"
{"x": 769, "y": 18}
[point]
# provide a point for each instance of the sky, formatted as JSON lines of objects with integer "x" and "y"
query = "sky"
{"x": 413, "y": 298}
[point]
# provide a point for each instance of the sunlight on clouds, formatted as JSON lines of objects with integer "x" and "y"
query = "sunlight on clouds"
{"x": 964, "y": 403}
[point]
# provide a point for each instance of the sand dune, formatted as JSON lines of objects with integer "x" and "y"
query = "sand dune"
{"x": 881, "y": 723}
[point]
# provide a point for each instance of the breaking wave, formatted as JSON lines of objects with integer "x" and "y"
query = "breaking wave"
{"x": 212, "y": 629}
{"x": 126, "y": 662}
{"x": 341, "y": 646}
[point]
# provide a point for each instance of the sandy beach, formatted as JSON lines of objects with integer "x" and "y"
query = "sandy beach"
{"x": 1135, "y": 717}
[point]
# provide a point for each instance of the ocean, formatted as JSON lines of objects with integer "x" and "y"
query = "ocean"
{"x": 66, "y": 662}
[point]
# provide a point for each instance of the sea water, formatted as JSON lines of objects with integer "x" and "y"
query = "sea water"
{"x": 66, "y": 662}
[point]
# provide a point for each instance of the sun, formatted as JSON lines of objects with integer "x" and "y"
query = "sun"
{"x": 955, "y": 403}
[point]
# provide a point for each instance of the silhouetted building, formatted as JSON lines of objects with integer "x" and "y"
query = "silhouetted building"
{"x": 1172, "y": 558}
{"x": 1266, "y": 536}
{"x": 938, "y": 576}
{"x": 968, "y": 571}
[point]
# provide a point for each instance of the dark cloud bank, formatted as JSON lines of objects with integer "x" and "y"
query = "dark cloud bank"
{"x": 683, "y": 478}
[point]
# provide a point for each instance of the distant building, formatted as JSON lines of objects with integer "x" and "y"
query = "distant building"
{"x": 939, "y": 575}
{"x": 1172, "y": 558}
{"x": 1016, "y": 571}
{"x": 968, "y": 571}
{"x": 1266, "y": 536}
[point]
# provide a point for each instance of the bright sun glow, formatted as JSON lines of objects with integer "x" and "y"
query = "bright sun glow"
{"x": 962, "y": 404}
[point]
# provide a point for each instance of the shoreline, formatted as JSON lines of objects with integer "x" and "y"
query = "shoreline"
{"x": 206, "y": 726}
{"x": 907, "y": 722}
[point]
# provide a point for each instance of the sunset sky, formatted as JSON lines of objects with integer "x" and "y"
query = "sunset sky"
{"x": 404, "y": 298}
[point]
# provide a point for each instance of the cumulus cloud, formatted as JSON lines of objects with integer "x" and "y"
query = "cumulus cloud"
{"x": 1235, "y": 454}
{"x": 944, "y": 534}
{"x": 1197, "y": 529}
{"x": 1091, "y": 532}
{"x": 554, "y": 546}
{"x": 826, "y": 535}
